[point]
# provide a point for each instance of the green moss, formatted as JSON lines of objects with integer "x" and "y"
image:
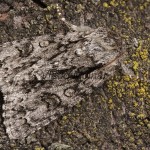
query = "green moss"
{"x": 132, "y": 114}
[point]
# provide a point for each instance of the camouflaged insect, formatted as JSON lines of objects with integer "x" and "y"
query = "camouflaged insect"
{"x": 41, "y": 77}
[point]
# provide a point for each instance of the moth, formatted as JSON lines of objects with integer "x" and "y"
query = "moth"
{"x": 41, "y": 77}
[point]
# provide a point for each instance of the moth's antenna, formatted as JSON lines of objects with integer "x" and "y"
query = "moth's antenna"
{"x": 63, "y": 19}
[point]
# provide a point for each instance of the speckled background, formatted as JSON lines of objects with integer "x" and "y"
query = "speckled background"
{"x": 116, "y": 116}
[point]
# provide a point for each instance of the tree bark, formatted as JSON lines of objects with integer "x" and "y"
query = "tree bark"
{"x": 57, "y": 86}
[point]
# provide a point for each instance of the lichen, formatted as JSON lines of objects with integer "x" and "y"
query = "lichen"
{"x": 105, "y": 5}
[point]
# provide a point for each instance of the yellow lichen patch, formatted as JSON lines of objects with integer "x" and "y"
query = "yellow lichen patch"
{"x": 127, "y": 19}
{"x": 115, "y": 83}
{"x": 119, "y": 93}
{"x": 132, "y": 85}
{"x": 106, "y": 5}
{"x": 141, "y": 7}
{"x": 114, "y": 3}
{"x": 131, "y": 139}
{"x": 111, "y": 104}
{"x": 144, "y": 54}
{"x": 140, "y": 52}
{"x": 146, "y": 121}
{"x": 140, "y": 44}
{"x": 141, "y": 116}
{"x": 80, "y": 8}
{"x": 139, "y": 142}
{"x": 125, "y": 36}
{"x": 126, "y": 78}
{"x": 110, "y": 101}
{"x": 113, "y": 27}
{"x": 148, "y": 125}
{"x": 69, "y": 132}
{"x": 135, "y": 104}
{"x": 65, "y": 118}
{"x": 132, "y": 91}
{"x": 146, "y": 4}
{"x": 131, "y": 114}
{"x": 78, "y": 105}
{"x": 141, "y": 91}
{"x": 131, "y": 94}
{"x": 122, "y": 3}
{"x": 135, "y": 65}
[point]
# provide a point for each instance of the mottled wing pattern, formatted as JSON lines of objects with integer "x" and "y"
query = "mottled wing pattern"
{"x": 42, "y": 76}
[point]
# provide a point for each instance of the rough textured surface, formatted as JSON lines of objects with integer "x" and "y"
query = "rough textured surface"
{"x": 116, "y": 116}
{"x": 41, "y": 77}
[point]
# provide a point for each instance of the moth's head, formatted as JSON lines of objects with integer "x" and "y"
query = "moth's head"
{"x": 100, "y": 47}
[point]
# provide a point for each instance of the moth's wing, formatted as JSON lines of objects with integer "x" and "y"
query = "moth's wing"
{"x": 32, "y": 98}
{"x": 25, "y": 112}
{"x": 28, "y": 106}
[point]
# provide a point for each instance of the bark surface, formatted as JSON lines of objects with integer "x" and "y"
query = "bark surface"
{"x": 55, "y": 83}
